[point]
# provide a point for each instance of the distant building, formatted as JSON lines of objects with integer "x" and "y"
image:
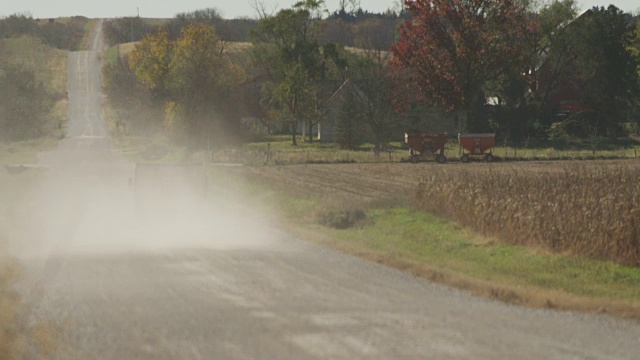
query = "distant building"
{"x": 564, "y": 98}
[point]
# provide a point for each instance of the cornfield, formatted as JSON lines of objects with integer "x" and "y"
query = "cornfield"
{"x": 584, "y": 210}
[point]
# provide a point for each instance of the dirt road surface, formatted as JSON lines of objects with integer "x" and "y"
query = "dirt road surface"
{"x": 217, "y": 282}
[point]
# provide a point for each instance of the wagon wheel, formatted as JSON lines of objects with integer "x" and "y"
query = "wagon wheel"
{"x": 489, "y": 158}
{"x": 414, "y": 159}
{"x": 464, "y": 158}
{"x": 441, "y": 159}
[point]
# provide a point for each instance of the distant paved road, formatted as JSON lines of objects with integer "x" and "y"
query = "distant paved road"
{"x": 221, "y": 284}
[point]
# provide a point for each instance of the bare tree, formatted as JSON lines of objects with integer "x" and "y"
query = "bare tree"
{"x": 261, "y": 9}
{"x": 349, "y": 6}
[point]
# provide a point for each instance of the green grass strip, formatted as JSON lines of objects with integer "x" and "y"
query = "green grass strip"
{"x": 424, "y": 238}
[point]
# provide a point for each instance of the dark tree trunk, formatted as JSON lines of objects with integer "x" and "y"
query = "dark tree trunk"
{"x": 293, "y": 134}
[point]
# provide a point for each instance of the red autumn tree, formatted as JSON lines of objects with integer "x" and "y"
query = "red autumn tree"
{"x": 452, "y": 50}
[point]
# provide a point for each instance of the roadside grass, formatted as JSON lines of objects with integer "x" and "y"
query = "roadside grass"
{"x": 445, "y": 252}
{"x": 22, "y": 336}
{"x": 280, "y": 151}
{"x": 111, "y": 55}
{"x": 21, "y": 152}
{"x": 21, "y": 339}
{"x": 156, "y": 149}
{"x": 88, "y": 28}
{"x": 156, "y": 21}
{"x": 12, "y": 344}
{"x": 424, "y": 238}
{"x": 576, "y": 153}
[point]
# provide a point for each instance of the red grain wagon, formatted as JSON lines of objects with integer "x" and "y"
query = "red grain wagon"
{"x": 422, "y": 146}
{"x": 477, "y": 145}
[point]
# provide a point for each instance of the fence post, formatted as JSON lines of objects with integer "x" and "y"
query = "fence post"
{"x": 267, "y": 155}
{"x": 209, "y": 150}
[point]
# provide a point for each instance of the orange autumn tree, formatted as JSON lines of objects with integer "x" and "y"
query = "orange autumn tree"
{"x": 451, "y": 52}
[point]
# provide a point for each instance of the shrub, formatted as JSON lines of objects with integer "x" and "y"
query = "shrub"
{"x": 65, "y": 36}
{"x": 127, "y": 29}
{"x": 24, "y": 104}
{"x": 132, "y": 103}
{"x": 341, "y": 219}
{"x": 18, "y": 24}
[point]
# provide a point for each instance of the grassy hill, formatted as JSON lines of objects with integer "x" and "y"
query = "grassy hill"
{"x": 50, "y": 67}
{"x": 49, "y": 64}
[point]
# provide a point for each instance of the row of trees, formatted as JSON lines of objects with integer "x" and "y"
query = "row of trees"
{"x": 456, "y": 53}
{"x": 131, "y": 29}
{"x": 353, "y": 28}
{"x": 289, "y": 77}
{"x": 451, "y": 53}
{"x": 192, "y": 76}
{"x": 294, "y": 65}
{"x": 66, "y": 35}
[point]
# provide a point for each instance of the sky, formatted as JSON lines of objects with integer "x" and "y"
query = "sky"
{"x": 230, "y": 9}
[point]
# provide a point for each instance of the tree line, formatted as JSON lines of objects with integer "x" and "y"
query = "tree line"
{"x": 455, "y": 54}
{"x": 205, "y": 85}
{"x": 64, "y": 35}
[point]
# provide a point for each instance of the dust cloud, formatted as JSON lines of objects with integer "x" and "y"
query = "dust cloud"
{"x": 89, "y": 201}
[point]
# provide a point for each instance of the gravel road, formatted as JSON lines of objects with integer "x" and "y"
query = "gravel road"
{"x": 220, "y": 283}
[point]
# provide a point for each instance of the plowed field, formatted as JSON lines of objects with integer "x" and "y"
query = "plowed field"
{"x": 368, "y": 185}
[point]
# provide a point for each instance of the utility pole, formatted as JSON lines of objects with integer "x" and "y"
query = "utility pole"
{"x": 138, "y": 9}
